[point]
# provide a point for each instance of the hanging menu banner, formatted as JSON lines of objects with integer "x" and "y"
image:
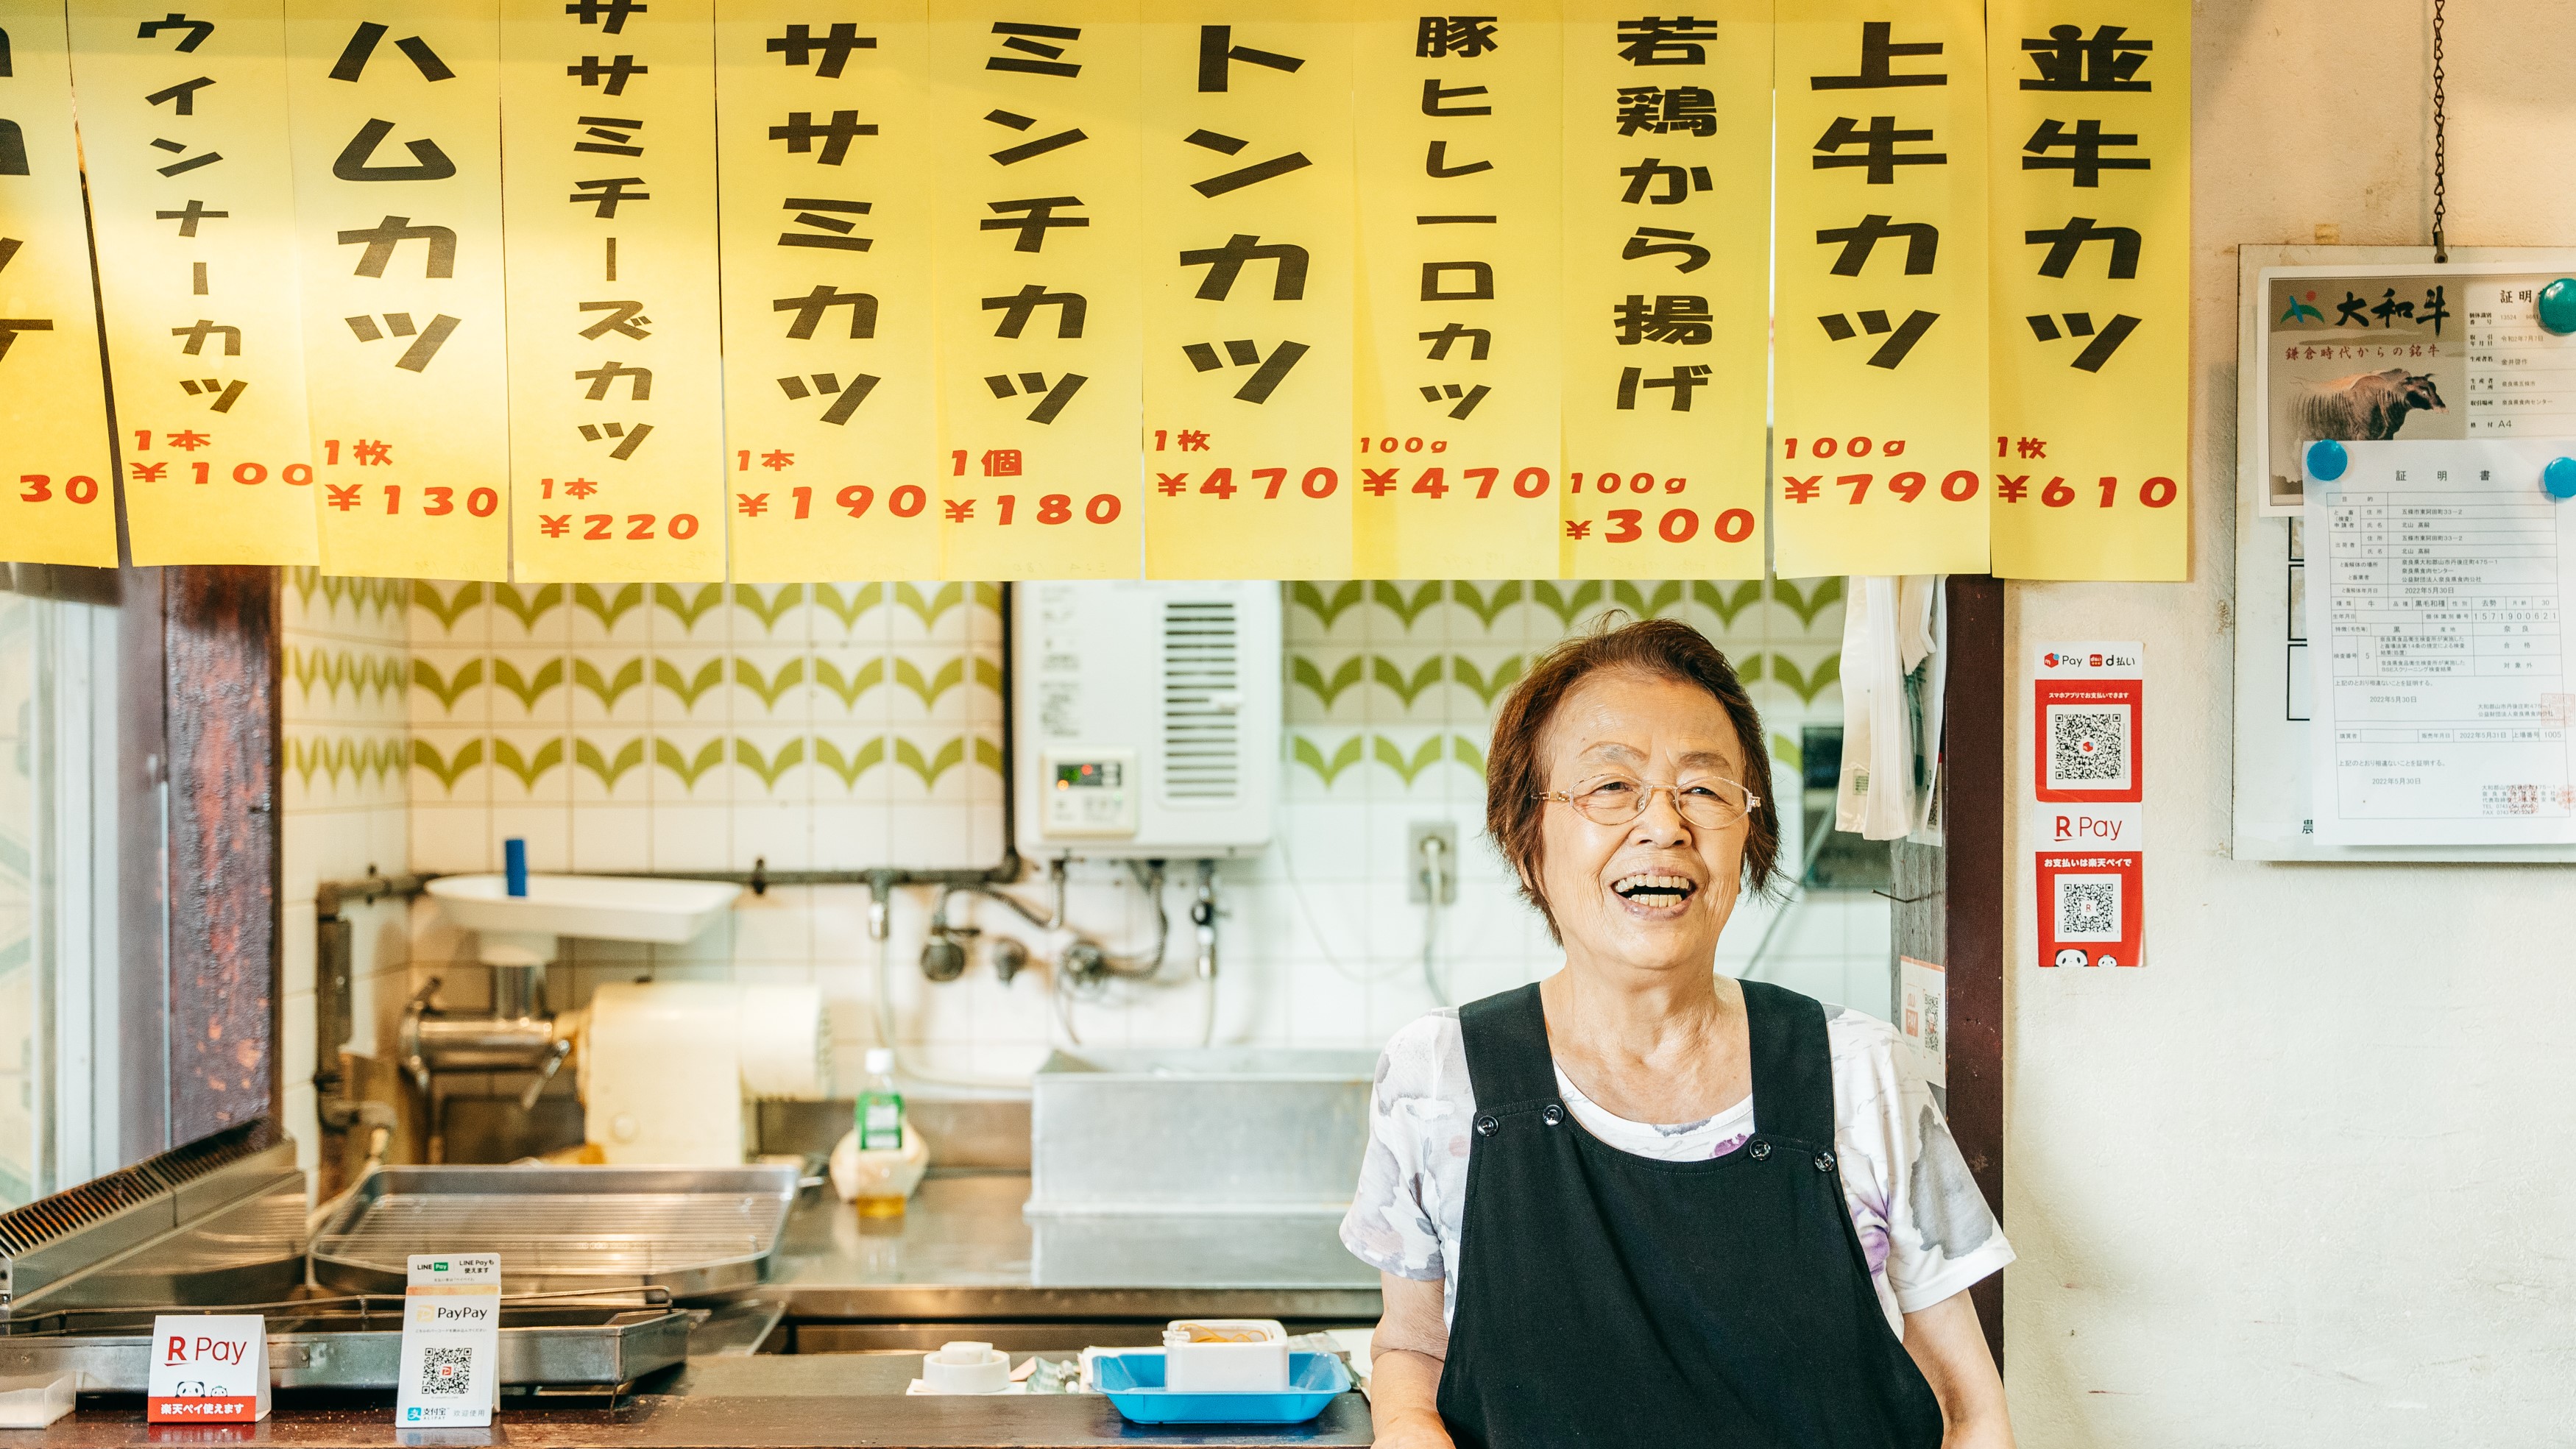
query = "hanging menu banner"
{"x": 2091, "y": 110}
{"x": 616, "y": 418}
{"x": 1667, "y": 289}
{"x": 1458, "y": 374}
{"x": 57, "y": 496}
{"x": 1249, "y": 254}
{"x": 1035, "y": 279}
{"x": 184, "y": 136}
{"x": 824, "y": 146}
{"x": 1880, "y": 425}
{"x": 398, "y": 226}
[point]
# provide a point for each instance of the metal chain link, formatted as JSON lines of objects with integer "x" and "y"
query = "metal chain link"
{"x": 2441, "y": 201}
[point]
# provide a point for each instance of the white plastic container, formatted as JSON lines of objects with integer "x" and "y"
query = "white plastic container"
{"x": 966, "y": 1368}
{"x": 32, "y": 1401}
{"x": 1255, "y": 1361}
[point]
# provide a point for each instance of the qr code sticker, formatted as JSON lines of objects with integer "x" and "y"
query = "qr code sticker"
{"x": 447, "y": 1371}
{"x": 2088, "y": 908}
{"x": 2088, "y": 749}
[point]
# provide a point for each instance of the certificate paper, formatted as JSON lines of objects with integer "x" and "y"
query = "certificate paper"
{"x": 2440, "y": 574}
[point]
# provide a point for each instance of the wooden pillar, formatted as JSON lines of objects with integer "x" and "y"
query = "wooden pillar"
{"x": 200, "y": 817}
{"x": 1976, "y": 795}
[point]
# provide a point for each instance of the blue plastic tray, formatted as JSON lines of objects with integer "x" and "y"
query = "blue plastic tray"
{"x": 1134, "y": 1382}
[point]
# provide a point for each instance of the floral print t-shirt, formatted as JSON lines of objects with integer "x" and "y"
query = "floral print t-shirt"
{"x": 1924, "y": 1227}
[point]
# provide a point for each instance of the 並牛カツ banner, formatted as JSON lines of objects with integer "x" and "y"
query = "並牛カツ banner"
{"x": 2091, "y": 116}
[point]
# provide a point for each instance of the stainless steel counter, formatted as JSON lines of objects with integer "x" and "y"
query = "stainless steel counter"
{"x": 963, "y": 1252}
{"x": 767, "y": 1402}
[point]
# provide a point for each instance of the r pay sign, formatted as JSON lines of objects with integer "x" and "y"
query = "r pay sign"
{"x": 208, "y": 1369}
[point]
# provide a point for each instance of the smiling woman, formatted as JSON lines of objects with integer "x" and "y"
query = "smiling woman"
{"x": 1641, "y": 1202}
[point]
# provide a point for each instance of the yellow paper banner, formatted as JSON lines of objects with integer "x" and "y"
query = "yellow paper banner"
{"x": 2091, "y": 110}
{"x": 1034, "y": 107}
{"x": 616, "y": 413}
{"x": 830, "y": 423}
{"x": 1880, "y": 436}
{"x": 1249, "y": 251}
{"x": 1667, "y": 289}
{"x": 57, "y": 498}
{"x": 1457, "y": 375}
{"x": 398, "y": 220}
{"x": 185, "y": 139}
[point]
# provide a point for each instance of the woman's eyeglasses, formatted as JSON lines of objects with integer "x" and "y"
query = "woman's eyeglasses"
{"x": 1708, "y": 804}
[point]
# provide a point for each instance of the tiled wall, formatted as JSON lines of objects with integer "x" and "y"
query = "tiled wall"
{"x": 841, "y": 726}
{"x": 346, "y": 716}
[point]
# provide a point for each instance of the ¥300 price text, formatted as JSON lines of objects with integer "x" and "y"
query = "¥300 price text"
{"x": 41, "y": 488}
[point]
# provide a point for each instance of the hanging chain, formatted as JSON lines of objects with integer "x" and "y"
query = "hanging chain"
{"x": 2441, "y": 249}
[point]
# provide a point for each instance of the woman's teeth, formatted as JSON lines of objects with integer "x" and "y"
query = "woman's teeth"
{"x": 1654, "y": 889}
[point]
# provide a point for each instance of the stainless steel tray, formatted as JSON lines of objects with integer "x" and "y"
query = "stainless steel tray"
{"x": 349, "y": 1344}
{"x": 691, "y": 1230}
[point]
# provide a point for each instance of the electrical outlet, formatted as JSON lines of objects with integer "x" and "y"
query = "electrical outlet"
{"x": 1420, "y": 860}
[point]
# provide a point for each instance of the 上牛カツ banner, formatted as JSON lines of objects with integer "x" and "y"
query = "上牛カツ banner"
{"x": 1879, "y": 432}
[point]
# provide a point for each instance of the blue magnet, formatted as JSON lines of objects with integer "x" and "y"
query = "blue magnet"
{"x": 2558, "y": 306}
{"x": 2327, "y": 460}
{"x": 514, "y": 858}
{"x": 2559, "y": 478}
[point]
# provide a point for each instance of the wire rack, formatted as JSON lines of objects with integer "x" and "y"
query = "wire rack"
{"x": 561, "y": 1229}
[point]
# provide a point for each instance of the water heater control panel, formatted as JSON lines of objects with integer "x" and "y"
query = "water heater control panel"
{"x": 1089, "y": 794}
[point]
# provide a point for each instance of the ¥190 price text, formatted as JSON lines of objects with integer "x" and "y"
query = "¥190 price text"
{"x": 904, "y": 501}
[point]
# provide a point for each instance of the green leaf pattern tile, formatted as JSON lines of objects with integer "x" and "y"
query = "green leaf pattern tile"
{"x": 607, "y": 607}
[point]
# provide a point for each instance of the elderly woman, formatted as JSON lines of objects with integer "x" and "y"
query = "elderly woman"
{"x": 1641, "y": 1203}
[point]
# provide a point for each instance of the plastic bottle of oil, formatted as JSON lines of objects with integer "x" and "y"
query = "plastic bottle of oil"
{"x": 880, "y": 1128}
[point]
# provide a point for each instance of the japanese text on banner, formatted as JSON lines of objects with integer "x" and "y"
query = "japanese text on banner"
{"x": 1034, "y": 106}
{"x": 1458, "y": 377}
{"x": 1667, "y": 289}
{"x": 1248, "y": 177}
{"x": 616, "y": 424}
{"x": 823, "y": 138}
{"x": 57, "y": 499}
{"x": 1880, "y": 420}
{"x": 2091, "y": 110}
{"x": 186, "y": 147}
{"x": 398, "y": 220}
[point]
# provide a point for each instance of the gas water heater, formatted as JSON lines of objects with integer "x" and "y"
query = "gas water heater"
{"x": 1147, "y": 718}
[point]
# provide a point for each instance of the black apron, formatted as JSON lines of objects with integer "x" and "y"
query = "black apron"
{"x": 1605, "y": 1298}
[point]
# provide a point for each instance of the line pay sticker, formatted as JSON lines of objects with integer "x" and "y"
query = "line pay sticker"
{"x": 451, "y": 1341}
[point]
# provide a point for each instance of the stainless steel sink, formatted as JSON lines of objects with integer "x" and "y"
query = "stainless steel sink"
{"x": 1217, "y": 1167}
